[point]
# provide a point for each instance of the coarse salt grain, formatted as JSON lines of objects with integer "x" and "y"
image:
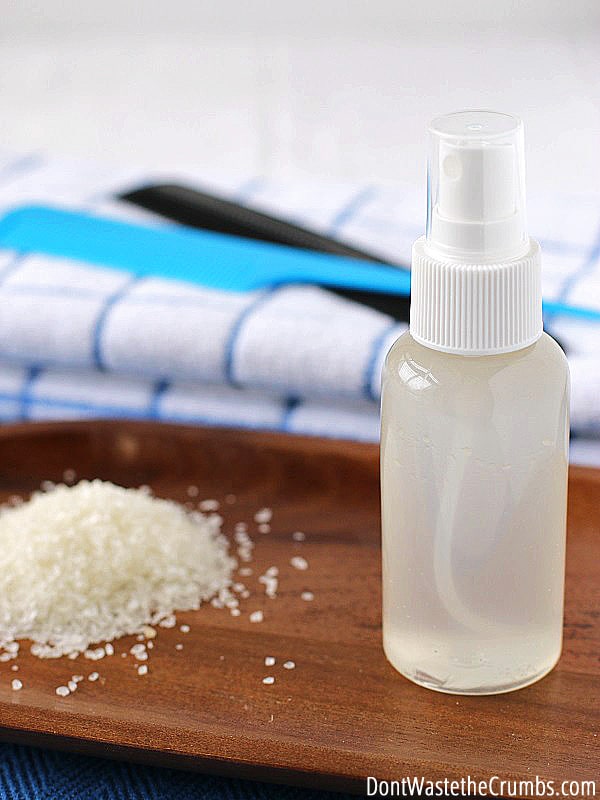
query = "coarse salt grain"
{"x": 93, "y": 676}
{"x": 289, "y": 664}
{"x": 179, "y": 646}
{"x": 72, "y": 685}
{"x": 263, "y": 515}
{"x": 209, "y": 505}
{"x": 269, "y": 680}
{"x": 235, "y": 612}
{"x": 298, "y": 562}
{"x": 142, "y": 669}
{"x": 256, "y": 616}
{"x": 245, "y": 571}
{"x": 271, "y": 584}
{"x": 15, "y": 668}
{"x": 62, "y": 691}
{"x": 298, "y": 536}
{"x": 16, "y": 684}
{"x": 184, "y": 628}
{"x": 269, "y": 661}
{"x": 92, "y": 563}
{"x": 307, "y": 596}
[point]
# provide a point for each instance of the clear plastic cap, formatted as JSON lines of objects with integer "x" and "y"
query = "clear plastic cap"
{"x": 476, "y": 187}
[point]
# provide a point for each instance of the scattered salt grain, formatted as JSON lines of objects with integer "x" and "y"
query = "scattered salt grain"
{"x": 72, "y": 685}
{"x": 77, "y": 678}
{"x": 269, "y": 680}
{"x": 93, "y": 676}
{"x": 298, "y": 562}
{"x": 16, "y": 684}
{"x": 245, "y": 594}
{"x": 138, "y": 651}
{"x": 69, "y": 476}
{"x": 84, "y": 563}
{"x": 109, "y": 649}
{"x": 289, "y": 664}
{"x": 270, "y": 583}
{"x": 256, "y": 616}
{"x": 93, "y": 655}
{"x": 298, "y": 536}
{"x": 245, "y": 571}
{"x": 15, "y": 667}
{"x": 184, "y": 628}
{"x": 263, "y": 515}
{"x": 168, "y": 622}
{"x": 307, "y": 596}
{"x": 142, "y": 669}
{"x": 238, "y": 587}
{"x": 235, "y": 612}
{"x": 209, "y": 505}
{"x": 149, "y": 632}
{"x": 269, "y": 661}
{"x": 150, "y": 645}
{"x": 62, "y": 691}
{"x": 179, "y": 646}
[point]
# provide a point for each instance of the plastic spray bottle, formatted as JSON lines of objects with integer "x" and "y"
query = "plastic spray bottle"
{"x": 474, "y": 439}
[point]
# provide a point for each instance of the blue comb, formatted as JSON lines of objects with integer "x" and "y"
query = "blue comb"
{"x": 209, "y": 259}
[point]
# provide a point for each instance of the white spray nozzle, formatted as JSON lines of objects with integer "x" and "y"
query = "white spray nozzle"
{"x": 476, "y": 202}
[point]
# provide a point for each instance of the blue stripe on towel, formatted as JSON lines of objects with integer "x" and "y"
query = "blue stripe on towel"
{"x": 229, "y": 360}
{"x": 348, "y": 211}
{"x": 102, "y": 318}
{"x": 25, "y": 395}
{"x": 160, "y": 387}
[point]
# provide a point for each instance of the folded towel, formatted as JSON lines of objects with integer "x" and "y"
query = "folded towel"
{"x": 77, "y": 340}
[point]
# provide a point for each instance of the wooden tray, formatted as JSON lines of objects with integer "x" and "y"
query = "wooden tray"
{"x": 343, "y": 713}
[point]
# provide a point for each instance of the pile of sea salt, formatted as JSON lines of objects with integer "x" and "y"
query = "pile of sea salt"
{"x": 93, "y": 562}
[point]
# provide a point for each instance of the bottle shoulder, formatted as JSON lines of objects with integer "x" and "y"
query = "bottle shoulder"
{"x": 416, "y": 365}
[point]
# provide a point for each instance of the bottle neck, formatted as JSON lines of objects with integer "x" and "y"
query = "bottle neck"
{"x": 476, "y": 309}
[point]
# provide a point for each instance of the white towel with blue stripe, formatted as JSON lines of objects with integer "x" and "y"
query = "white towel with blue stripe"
{"x": 82, "y": 341}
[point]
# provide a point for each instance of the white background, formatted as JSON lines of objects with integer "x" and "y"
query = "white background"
{"x": 330, "y": 88}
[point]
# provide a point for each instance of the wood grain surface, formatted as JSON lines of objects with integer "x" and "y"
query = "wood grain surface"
{"x": 343, "y": 713}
